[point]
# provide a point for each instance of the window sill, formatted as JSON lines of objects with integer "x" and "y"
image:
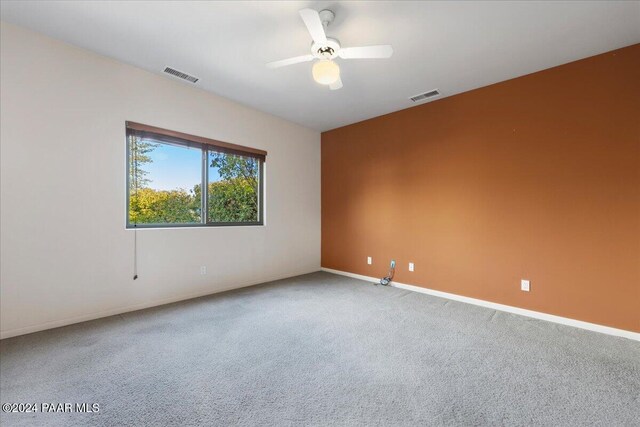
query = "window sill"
{"x": 188, "y": 226}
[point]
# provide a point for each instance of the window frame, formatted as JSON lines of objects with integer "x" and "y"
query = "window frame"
{"x": 205, "y": 145}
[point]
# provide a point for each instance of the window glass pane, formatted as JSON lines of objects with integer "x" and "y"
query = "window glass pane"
{"x": 164, "y": 183}
{"x": 233, "y": 188}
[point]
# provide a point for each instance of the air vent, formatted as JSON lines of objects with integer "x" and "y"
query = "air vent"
{"x": 425, "y": 95}
{"x": 180, "y": 75}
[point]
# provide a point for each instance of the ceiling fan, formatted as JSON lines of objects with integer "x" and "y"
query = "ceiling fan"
{"x": 325, "y": 49}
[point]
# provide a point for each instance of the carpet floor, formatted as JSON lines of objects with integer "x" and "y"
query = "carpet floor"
{"x": 320, "y": 350}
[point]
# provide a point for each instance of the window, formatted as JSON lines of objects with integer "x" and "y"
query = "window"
{"x": 181, "y": 180}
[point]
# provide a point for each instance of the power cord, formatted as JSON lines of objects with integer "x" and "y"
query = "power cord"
{"x": 387, "y": 279}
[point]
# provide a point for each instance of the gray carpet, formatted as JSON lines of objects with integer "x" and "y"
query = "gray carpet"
{"x": 323, "y": 350}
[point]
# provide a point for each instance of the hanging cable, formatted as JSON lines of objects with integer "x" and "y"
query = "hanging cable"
{"x": 135, "y": 251}
{"x": 134, "y": 143}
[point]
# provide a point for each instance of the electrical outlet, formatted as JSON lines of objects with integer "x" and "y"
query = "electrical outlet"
{"x": 410, "y": 266}
{"x": 203, "y": 270}
{"x": 525, "y": 285}
{"x": 369, "y": 261}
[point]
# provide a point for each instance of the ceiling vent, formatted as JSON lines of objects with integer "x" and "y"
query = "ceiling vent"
{"x": 426, "y": 95}
{"x": 180, "y": 75}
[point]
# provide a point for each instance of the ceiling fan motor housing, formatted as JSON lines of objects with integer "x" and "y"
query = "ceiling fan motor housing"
{"x": 328, "y": 50}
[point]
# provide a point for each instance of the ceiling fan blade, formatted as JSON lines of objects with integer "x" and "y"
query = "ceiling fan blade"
{"x": 366, "y": 52}
{"x": 312, "y": 20}
{"x": 336, "y": 85}
{"x": 290, "y": 61}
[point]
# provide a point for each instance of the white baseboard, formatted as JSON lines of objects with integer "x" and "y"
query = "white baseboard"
{"x": 106, "y": 313}
{"x": 501, "y": 307}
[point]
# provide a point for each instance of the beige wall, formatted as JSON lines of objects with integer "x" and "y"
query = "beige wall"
{"x": 534, "y": 178}
{"x": 65, "y": 253}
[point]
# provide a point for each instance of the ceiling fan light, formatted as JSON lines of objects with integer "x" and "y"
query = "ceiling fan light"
{"x": 325, "y": 72}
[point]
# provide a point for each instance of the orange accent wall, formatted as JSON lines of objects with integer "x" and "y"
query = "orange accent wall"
{"x": 536, "y": 177}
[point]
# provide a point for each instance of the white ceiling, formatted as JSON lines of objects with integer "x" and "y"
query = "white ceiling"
{"x": 453, "y": 46}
